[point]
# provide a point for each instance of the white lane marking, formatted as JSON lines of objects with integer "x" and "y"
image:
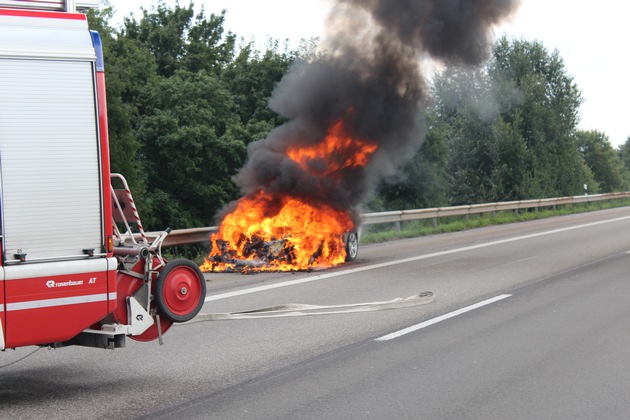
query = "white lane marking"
{"x": 440, "y": 318}
{"x": 402, "y": 261}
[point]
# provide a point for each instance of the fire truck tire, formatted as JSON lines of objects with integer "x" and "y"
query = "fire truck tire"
{"x": 352, "y": 246}
{"x": 180, "y": 290}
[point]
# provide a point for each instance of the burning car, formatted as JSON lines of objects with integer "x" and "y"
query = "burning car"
{"x": 300, "y": 218}
{"x": 299, "y": 236}
{"x": 274, "y": 255}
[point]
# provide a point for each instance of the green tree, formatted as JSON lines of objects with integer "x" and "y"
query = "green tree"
{"x": 251, "y": 78}
{"x": 603, "y": 160}
{"x": 546, "y": 116}
{"x": 209, "y": 48}
{"x": 129, "y": 69}
{"x": 189, "y": 147}
{"x": 624, "y": 154}
{"x": 177, "y": 41}
{"x": 487, "y": 156}
{"x": 173, "y": 127}
{"x": 422, "y": 183}
{"x": 510, "y": 126}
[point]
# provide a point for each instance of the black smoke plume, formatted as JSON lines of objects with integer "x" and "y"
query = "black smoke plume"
{"x": 369, "y": 76}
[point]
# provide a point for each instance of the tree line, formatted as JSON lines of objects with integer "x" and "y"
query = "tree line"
{"x": 186, "y": 97}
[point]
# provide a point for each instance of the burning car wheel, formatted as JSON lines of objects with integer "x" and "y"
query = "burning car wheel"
{"x": 352, "y": 246}
{"x": 180, "y": 290}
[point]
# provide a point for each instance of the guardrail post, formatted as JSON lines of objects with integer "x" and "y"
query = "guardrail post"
{"x": 434, "y": 222}
{"x": 397, "y": 225}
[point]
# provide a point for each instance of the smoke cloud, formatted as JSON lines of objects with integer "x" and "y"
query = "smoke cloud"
{"x": 370, "y": 78}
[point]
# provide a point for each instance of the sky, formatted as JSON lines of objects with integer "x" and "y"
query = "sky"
{"x": 589, "y": 36}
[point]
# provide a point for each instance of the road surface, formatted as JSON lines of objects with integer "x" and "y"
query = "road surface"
{"x": 526, "y": 320}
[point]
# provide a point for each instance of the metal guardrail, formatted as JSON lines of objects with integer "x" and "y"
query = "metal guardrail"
{"x": 437, "y": 212}
{"x": 200, "y": 235}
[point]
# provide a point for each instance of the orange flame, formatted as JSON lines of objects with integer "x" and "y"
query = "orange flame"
{"x": 284, "y": 233}
{"x": 338, "y": 151}
{"x": 305, "y": 236}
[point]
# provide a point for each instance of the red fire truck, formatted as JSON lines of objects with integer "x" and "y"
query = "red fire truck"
{"x": 76, "y": 266}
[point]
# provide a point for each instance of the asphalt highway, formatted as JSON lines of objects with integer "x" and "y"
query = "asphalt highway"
{"x": 526, "y": 320}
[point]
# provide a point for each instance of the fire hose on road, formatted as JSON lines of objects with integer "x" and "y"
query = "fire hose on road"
{"x": 297, "y": 309}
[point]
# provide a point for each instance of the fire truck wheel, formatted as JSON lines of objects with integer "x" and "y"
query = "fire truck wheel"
{"x": 352, "y": 246}
{"x": 180, "y": 290}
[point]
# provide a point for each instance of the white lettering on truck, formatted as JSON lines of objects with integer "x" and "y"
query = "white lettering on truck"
{"x": 52, "y": 283}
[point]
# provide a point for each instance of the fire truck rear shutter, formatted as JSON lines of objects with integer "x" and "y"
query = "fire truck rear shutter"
{"x": 49, "y": 150}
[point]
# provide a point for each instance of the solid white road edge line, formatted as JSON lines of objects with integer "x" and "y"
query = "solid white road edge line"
{"x": 440, "y": 318}
{"x": 402, "y": 261}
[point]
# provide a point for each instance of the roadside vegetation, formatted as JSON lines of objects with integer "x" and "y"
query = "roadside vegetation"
{"x": 186, "y": 98}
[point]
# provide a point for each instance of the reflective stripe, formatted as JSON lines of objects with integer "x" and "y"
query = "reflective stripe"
{"x": 112, "y": 296}
{"x": 47, "y": 303}
{"x": 1, "y": 307}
